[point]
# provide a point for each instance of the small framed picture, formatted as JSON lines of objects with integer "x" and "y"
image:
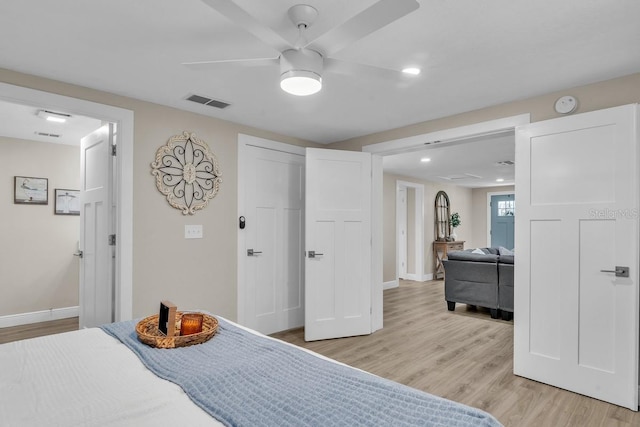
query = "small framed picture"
{"x": 67, "y": 202}
{"x": 31, "y": 191}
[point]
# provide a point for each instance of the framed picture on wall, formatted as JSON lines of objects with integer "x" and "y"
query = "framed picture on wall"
{"x": 67, "y": 202}
{"x": 31, "y": 191}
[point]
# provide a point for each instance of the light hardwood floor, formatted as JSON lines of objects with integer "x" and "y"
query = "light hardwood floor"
{"x": 16, "y": 333}
{"x": 465, "y": 356}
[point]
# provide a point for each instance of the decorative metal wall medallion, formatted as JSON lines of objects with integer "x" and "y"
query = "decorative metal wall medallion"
{"x": 187, "y": 172}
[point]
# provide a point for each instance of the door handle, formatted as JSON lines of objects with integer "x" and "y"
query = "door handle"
{"x": 79, "y": 254}
{"x": 313, "y": 254}
{"x": 620, "y": 271}
{"x": 251, "y": 252}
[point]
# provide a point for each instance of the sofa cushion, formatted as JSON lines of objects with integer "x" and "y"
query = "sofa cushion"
{"x": 506, "y": 259}
{"x": 470, "y": 256}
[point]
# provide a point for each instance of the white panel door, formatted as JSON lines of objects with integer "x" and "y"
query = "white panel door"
{"x": 338, "y": 244}
{"x": 576, "y": 325}
{"x": 96, "y": 272}
{"x": 273, "y": 239}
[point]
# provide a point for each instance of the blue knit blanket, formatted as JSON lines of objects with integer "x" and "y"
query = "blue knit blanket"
{"x": 243, "y": 379}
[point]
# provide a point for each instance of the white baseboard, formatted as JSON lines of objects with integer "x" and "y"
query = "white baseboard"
{"x": 423, "y": 278}
{"x": 390, "y": 285}
{"x": 38, "y": 316}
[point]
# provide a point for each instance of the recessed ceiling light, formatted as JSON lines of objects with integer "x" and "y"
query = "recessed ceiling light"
{"x": 53, "y": 116}
{"x": 500, "y": 180}
{"x": 425, "y": 159}
{"x": 411, "y": 70}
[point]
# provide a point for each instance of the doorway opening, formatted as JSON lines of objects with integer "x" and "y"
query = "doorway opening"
{"x": 454, "y": 136}
{"x": 122, "y": 217}
{"x": 409, "y": 231}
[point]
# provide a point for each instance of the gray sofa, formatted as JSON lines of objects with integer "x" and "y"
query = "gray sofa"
{"x": 484, "y": 280}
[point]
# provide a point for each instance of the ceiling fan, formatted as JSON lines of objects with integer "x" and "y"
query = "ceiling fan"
{"x": 303, "y": 62}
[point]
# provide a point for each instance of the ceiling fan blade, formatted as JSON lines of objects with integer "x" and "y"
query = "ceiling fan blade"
{"x": 338, "y": 66}
{"x": 366, "y": 22}
{"x": 240, "y": 16}
{"x": 203, "y": 65}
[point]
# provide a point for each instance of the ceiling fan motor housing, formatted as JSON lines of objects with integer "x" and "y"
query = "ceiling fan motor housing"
{"x": 300, "y": 60}
{"x": 301, "y": 71}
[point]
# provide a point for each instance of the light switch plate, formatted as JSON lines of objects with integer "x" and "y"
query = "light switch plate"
{"x": 193, "y": 231}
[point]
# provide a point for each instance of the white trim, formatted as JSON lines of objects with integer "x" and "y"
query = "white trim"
{"x": 420, "y": 278}
{"x": 390, "y": 285}
{"x": 495, "y": 193}
{"x": 245, "y": 141}
{"x": 419, "y": 230}
{"x": 377, "y": 262}
{"x": 38, "y": 316}
{"x": 491, "y": 127}
{"x": 124, "y": 176}
{"x": 401, "y": 224}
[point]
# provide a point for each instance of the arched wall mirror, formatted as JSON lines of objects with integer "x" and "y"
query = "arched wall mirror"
{"x": 442, "y": 214}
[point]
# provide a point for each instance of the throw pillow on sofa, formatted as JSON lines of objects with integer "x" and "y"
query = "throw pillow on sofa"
{"x": 504, "y": 251}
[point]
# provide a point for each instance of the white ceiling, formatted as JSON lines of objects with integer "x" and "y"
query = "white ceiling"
{"x": 472, "y": 163}
{"x": 22, "y": 122}
{"x": 473, "y": 54}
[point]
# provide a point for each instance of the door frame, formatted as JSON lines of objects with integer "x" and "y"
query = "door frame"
{"x": 123, "y": 176}
{"x": 495, "y": 193}
{"x": 418, "y": 226}
{"x": 446, "y": 136}
{"x": 243, "y": 142}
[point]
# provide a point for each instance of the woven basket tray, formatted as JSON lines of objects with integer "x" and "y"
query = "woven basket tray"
{"x": 148, "y": 332}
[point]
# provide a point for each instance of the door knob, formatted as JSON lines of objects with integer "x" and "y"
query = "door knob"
{"x": 251, "y": 252}
{"x": 313, "y": 254}
{"x": 79, "y": 254}
{"x": 619, "y": 271}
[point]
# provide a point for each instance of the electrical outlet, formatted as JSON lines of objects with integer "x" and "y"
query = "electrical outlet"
{"x": 193, "y": 231}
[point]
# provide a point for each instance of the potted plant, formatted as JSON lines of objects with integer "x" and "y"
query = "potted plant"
{"x": 454, "y": 221}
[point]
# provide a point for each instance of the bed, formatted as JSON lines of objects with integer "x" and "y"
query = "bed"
{"x": 106, "y": 377}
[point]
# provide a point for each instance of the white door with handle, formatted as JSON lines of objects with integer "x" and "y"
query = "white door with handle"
{"x": 271, "y": 237}
{"x": 96, "y": 266}
{"x": 576, "y": 273}
{"x": 338, "y": 244}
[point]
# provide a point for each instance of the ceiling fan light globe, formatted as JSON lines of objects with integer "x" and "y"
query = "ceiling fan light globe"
{"x": 300, "y": 82}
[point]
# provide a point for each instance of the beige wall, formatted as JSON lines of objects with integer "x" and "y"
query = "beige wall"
{"x": 461, "y": 202}
{"x": 195, "y": 273}
{"x": 37, "y": 268}
{"x": 479, "y": 217}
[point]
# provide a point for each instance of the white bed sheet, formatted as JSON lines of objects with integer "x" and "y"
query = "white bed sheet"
{"x": 87, "y": 378}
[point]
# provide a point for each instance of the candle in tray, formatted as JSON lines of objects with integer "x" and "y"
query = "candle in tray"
{"x": 191, "y": 323}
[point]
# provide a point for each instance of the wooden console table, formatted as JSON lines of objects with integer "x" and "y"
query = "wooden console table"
{"x": 440, "y": 250}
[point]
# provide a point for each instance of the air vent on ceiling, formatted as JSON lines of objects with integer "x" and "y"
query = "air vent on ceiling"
{"x": 51, "y": 135}
{"x": 506, "y": 163}
{"x": 208, "y": 101}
